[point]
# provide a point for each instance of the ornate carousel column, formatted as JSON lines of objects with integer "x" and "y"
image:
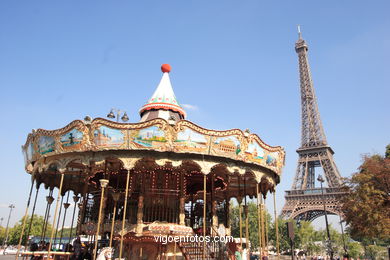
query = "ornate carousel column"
{"x": 227, "y": 214}
{"x": 32, "y": 213}
{"x": 262, "y": 225}
{"x": 276, "y": 226}
{"x": 258, "y": 197}
{"x": 75, "y": 200}
{"x": 204, "y": 212}
{"x": 56, "y": 211}
{"x": 66, "y": 206}
{"x": 182, "y": 200}
{"x": 214, "y": 216}
{"x": 140, "y": 211}
{"x": 103, "y": 184}
{"x": 115, "y": 197}
{"x": 246, "y": 214}
{"x": 124, "y": 213}
{"x": 82, "y": 207}
{"x": 25, "y": 216}
{"x": 49, "y": 201}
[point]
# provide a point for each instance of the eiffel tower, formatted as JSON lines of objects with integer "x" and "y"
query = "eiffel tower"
{"x": 305, "y": 201}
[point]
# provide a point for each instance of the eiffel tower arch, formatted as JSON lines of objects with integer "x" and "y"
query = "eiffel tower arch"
{"x": 305, "y": 201}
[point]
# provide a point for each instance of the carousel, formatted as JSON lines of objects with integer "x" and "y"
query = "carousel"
{"x": 136, "y": 189}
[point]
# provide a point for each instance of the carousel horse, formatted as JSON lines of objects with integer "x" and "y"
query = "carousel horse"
{"x": 105, "y": 253}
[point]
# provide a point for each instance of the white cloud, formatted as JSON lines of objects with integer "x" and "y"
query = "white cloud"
{"x": 190, "y": 107}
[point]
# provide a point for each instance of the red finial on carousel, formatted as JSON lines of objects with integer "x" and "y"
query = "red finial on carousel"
{"x": 165, "y": 68}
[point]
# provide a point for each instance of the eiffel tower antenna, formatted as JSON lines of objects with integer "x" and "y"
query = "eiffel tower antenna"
{"x": 304, "y": 200}
{"x": 299, "y": 32}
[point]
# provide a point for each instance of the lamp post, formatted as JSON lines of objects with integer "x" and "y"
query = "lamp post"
{"x": 1, "y": 221}
{"x": 321, "y": 180}
{"x": 12, "y": 206}
{"x": 118, "y": 112}
{"x": 342, "y": 235}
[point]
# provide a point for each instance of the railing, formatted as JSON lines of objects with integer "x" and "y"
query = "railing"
{"x": 210, "y": 250}
{"x": 315, "y": 191}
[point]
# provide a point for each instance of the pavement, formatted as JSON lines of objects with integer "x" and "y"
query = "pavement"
{"x": 7, "y": 257}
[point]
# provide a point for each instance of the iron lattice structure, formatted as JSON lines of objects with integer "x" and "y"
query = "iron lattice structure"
{"x": 304, "y": 201}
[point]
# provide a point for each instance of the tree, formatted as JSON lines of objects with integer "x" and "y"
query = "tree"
{"x": 305, "y": 233}
{"x": 252, "y": 223}
{"x": 2, "y": 235}
{"x": 367, "y": 206}
{"x": 355, "y": 250}
{"x": 284, "y": 240}
{"x": 36, "y": 229}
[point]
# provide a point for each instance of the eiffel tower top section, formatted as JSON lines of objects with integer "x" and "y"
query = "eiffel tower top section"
{"x": 312, "y": 135}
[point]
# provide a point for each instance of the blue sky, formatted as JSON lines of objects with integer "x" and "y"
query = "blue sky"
{"x": 233, "y": 61}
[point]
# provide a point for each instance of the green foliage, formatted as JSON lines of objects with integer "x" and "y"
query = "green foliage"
{"x": 252, "y": 223}
{"x": 375, "y": 252}
{"x": 36, "y": 229}
{"x": 355, "y": 249}
{"x": 2, "y": 235}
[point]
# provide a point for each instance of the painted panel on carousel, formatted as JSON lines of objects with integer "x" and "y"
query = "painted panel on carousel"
{"x": 227, "y": 146}
{"x": 255, "y": 152}
{"x": 151, "y": 137}
{"x": 46, "y": 144}
{"x": 189, "y": 140}
{"x": 72, "y": 139}
{"x": 104, "y": 136}
{"x": 30, "y": 151}
{"x": 273, "y": 159}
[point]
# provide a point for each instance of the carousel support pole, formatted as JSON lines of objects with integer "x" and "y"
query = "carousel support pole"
{"x": 66, "y": 206}
{"x": 103, "y": 184}
{"x": 49, "y": 200}
{"x": 265, "y": 225}
{"x": 174, "y": 251}
{"x": 276, "y": 227}
{"x": 115, "y": 197}
{"x": 55, "y": 214}
{"x": 75, "y": 199}
{"x": 82, "y": 207}
{"x": 59, "y": 216}
{"x": 246, "y": 217}
{"x": 182, "y": 201}
{"x": 204, "y": 213}
{"x": 227, "y": 211}
{"x": 214, "y": 216}
{"x": 240, "y": 218}
{"x": 192, "y": 220}
{"x": 259, "y": 217}
{"x": 262, "y": 224}
{"x": 32, "y": 214}
{"x": 25, "y": 218}
{"x": 239, "y": 200}
{"x": 124, "y": 214}
{"x": 140, "y": 213}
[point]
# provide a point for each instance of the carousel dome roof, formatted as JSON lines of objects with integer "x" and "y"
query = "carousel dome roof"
{"x": 163, "y": 103}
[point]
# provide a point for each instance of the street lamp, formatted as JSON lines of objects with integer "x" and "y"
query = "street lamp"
{"x": 342, "y": 235}
{"x": 321, "y": 180}
{"x": 118, "y": 112}
{"x": 12, "y": 206}
{"x": 1, "y": 221}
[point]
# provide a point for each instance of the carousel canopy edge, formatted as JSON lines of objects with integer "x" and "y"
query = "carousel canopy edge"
{"x": 156, "y": 135}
